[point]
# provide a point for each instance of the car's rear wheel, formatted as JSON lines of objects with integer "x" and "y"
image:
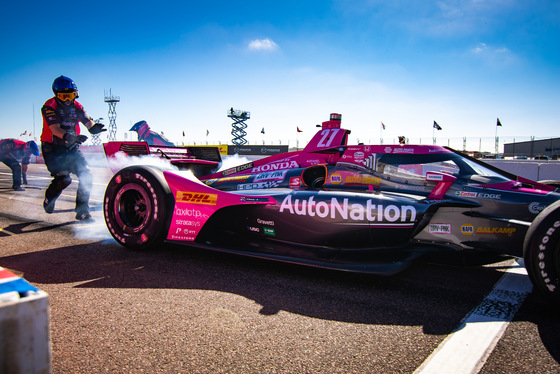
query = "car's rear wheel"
{"x": 137, "y": 207}
{"x": 541, "y": 252}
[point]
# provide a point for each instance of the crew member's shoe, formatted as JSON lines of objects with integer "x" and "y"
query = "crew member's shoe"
{"x": 83, "y": 216}
{"x": 18, "y": 188}
{"x": 48, "y": 205}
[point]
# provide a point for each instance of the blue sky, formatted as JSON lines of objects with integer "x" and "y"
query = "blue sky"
{"x": 180, "y": 65}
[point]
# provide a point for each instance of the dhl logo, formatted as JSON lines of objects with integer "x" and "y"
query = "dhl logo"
{"x": 196, "y": 198}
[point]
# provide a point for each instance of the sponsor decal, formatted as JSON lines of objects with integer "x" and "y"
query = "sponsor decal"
{"x": 440, "y": 228}
{"x": 265, "y": 222}
{"x": 183, "y": 238}
{"x": 295, "y": 182}
{"x": 496, "y": 230}
{"x": 185, "y": 231}
{"x": 336, "y": 178}
{"x": 274, "y": 176}
{"x": 466, "y": 194}
{"x": 189, "y": 213}
{"x": 265, "y": 150}
{"x": 253, "y": 229}
{"x": 487, "y": 230}
{"x": 237, "y": 169}
{"x": 480, "y": 195}
{"x": 336, "y": 209}
{"x": 536, "y": 207}
{"x": 490, "y": 196}
{"x": 403, "y": 150}
{"x": 196, "y": 198}
{"x": 467, "y": 229}
{"x": 388, "y": 149}
{"x": 433, "y": 177}
{"x": 227, "y": 179}
{"x": 359, "y": 156}
{"x": 276, "y": 166}
{"x": 362, "y": 179}
{"x": 252, "y": 199}
{"x": 254, "y": 186}
{"x": 183, "y": 222}
{"x": 269, "y": 231}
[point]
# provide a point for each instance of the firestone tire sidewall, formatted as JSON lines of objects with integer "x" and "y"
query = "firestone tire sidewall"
{"x": 541, "y": 252}
{"x": 150, "y": 184}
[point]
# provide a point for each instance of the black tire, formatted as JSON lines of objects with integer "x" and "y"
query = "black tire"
{"x": 541, "y": 251}
{"x": 137, "y": 207}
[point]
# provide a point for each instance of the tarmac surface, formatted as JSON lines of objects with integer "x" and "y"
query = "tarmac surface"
{"x": 183, "y": 310}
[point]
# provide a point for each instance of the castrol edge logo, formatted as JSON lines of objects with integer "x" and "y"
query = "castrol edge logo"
{"x": 196, "y": 198}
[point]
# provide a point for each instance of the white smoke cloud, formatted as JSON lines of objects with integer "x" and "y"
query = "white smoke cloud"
{"x": 97, "y": 230}
{"x": 121, "y": 160}
{"x": 231, "y": 161}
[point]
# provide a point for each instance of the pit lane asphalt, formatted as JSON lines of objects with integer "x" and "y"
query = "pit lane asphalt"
{"x": 181, "y": 310}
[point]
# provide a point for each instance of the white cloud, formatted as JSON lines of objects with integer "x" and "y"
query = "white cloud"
{"x": 263, "y": 45}
{"x": 494, "y": 55}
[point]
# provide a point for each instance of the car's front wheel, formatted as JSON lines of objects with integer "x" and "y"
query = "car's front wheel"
{"x": 541, "y": 252}
{"x": 137, "y": 206}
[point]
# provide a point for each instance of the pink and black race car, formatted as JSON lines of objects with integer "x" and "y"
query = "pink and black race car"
{"x": 363, "y": 208}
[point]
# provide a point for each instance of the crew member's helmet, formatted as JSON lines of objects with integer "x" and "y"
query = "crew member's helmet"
{"x": 31, "y": 148}
{"x": 65, "y": 89}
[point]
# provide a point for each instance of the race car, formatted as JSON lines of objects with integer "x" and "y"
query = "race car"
{"x": 363, "y": 208}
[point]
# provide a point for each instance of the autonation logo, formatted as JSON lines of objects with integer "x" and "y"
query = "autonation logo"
{"x": 354, "y": 212}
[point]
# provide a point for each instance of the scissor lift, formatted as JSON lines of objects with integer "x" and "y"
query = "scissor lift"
{"x": 239, "y": 125}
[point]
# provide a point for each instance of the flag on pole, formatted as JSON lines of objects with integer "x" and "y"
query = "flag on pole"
{"x": 383, "y": 125}
{"x": 498, "y": 123}
{"x": 436, "y": 126}
{"x": 207, "y": 132}
{"x": 23, "y": 133}
{"x": 298, "y": 130}
{"x": 262, "y": 131}
{"x": 183, "y": 133}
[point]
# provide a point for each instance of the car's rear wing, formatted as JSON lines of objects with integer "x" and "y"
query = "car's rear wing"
{"x": 201, "y": 160}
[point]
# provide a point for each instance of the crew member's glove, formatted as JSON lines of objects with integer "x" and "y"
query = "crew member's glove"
{"x": 97, "y": 129}
{"x": 71, "y": 139}
{"x": 24, "y": 178}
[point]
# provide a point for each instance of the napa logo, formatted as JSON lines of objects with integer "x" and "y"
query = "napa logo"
{"x": 467, "y": 229}
{"x": 336, "y": 178}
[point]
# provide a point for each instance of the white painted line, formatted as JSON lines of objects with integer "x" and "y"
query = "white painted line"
{"x": 467, "y": 348}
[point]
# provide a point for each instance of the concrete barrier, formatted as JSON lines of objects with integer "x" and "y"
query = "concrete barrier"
{"x": 532, "y": 169}
{"x": 24, "y": 327}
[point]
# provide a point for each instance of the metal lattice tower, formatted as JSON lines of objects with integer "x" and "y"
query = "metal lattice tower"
{"x": 95, "y": 137}
{"x": 239, "y": 125}
{"x": 112, "y": 101}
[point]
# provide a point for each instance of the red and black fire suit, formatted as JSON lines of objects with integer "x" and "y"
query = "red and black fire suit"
{"x": 62, "y": 159}
{"x": 12, "y": 153}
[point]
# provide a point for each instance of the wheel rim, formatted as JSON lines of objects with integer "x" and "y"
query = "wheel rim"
{"x": 133, "y": 208}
